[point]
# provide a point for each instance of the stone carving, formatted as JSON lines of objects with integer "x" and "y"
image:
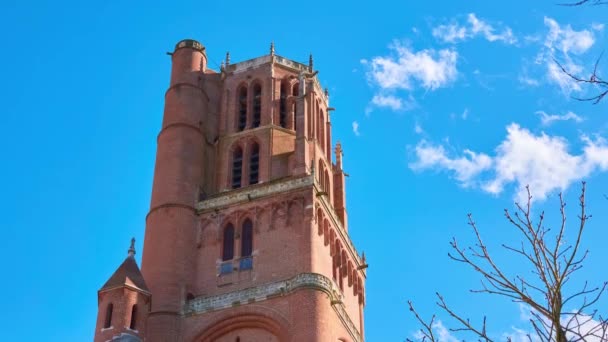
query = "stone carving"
{"x": 260, "y": 293}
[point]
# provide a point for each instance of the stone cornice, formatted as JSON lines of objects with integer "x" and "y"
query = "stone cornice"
{"x": 263, "y": 292}
{"x": 254, "y": 192}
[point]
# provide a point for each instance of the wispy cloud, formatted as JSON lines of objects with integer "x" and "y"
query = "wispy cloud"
{"x": 474, "y": 27}
{"x": 547, "y": 119}
{"x": 356, "y": 128}
{"x": 522, "y": 158}
{"x": 408, "y": 69}
{"x": 389, "y": 101}
{"x": 563, "y": 43}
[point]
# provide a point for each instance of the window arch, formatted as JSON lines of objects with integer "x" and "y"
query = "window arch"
{"x": 254, "y": 164}
{"x": 237, "y": 167}
{"x": 321, "y": 129}
{"x": 108, "y": 321}
{"x": 133, "y": 324}
{"x": 257, "y": 105}
{"x": 247, "y": 238}
{"x": 228, "y": 243}
{"x": 242, "y": 108}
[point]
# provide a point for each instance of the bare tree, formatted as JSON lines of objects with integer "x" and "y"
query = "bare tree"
{"x": 553, "y": 261}
{"x": 594, "y": 79}
{"x": 585, "y": 2}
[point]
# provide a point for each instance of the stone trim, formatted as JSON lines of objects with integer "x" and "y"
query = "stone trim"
{"x": 260, "y": 293}
{"x": 253, "y": 192}
{"x": 339, "y": 227}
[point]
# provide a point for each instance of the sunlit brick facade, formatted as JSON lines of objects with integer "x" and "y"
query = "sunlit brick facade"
{"x": 247, "y": 237}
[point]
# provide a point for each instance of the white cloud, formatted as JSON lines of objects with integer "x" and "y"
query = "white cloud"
{"x": 465, "y": 114}
{"x": 356, "y": 128}
{"x": 567, "y": 40}
{"x": 547, "y": 119}
{"x": 522, "y": 158}
{"x": 466, "y": 168}
{"x": 528, "y": 81}
{"x": 418, "y": 128}
{"x": 564, "y": 43}
{"x": 597, "y": 26}
{"x": 389, "y": 101}
{"x": 453, "y": 33}
{"x": 406, "y": 68}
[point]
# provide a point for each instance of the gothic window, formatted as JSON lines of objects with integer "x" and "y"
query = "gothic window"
{"x": 246, "y": 262}
{"x": 321, "y": 130}
{"x": 108, "y": 322}
{"x": 327, "y": 186}
{"x": 247, "y": 239}
{"x": 237, "y": 167}
{"x": 295, "y": 92}
{"x": 283, "y": 105}
{"x": 257, "y": 105}
{"x": 133, "y": 325}
{"x": 254, "y": 164}
{"x": 242, "y": 108}
{"x": 228, "y": 244}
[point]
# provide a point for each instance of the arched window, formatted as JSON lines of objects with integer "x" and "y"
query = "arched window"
{"x": 108, "y": 322}
{"x": 133, "y": 325}
{"x": 257, "y": 105}
{"x": 254, "y": 164}
{"x": 295, "y": 92}
{"x": 237, "y": 167}
{"x": 283, "y": 105}
{"x": 321, "y": 130}
{"x": 242, "y": 108}
{"x": 327, "y": 184}
{"x": 228, "y": 246}
{"x": 247, "y": 239}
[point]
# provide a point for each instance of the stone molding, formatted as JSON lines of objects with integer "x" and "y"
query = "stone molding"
{"x": 315, "y": 281}
{"x": 254, "y": 192}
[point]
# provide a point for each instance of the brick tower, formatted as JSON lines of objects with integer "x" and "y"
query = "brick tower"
{"x": 246, "y": 239}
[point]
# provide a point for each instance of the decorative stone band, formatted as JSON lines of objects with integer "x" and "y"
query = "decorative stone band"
{"x": 189, "y": 43}
{"x": 254, "y": 192}
{"x": 288, "y": 63}
{"x": 313, "y": 281}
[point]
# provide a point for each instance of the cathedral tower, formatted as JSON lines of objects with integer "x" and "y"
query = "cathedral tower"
{"x": 246, "y": 238}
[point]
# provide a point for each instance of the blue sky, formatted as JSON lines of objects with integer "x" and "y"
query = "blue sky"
{"x": 443, "y": 108}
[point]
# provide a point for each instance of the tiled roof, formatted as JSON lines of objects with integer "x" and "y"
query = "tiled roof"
{"x": 128, "y": 274}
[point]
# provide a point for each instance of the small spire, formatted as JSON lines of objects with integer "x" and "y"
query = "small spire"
{"x": 310, "y": 62}
{"x": 222, "y": 66}
{"x": 326, "y": 92}
{"x": 272, "y": 48}
{"x": 131, "y": 251}
{"x": 228, "y": 58}
{"x": 338, "y": 152}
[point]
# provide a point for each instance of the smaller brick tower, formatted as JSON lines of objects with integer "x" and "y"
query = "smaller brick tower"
{"x": 123, "y": 303}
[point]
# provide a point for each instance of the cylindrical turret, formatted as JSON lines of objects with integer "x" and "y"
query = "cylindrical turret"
{"x": 171, "y": 223}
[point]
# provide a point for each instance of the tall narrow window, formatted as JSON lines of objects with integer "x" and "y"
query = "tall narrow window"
{"x": 295, "y": 92}
{"x": 133, "y": 325}
{"x": 247, "y": 239}
{"x": 237, "y": 167}
{"x": 246, "y": 262}
{"x": 257, "y": 105}
{"x": 242, "y": 108}
{"x": 108, "y": 322}
{"x": 283, "y": 106}
{"x": 228, "y": 246}
{"x": 321, "y": 130}
{"x": 254, "y": 164}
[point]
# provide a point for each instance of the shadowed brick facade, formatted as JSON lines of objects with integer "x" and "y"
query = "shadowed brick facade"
{"x": 247, "y": 236}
